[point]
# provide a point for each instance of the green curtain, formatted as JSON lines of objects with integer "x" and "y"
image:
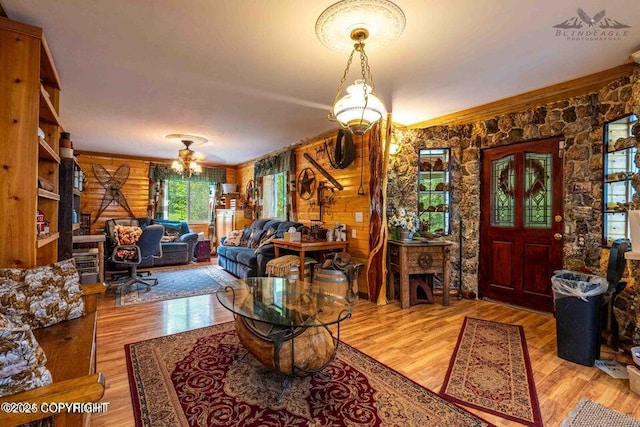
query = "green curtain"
{"x": 161, "y": 172}
{"x": 282, "y": 162}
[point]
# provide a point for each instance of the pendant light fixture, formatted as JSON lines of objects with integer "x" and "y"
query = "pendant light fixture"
{"x": 357, "y": 21}
{"x": 186, "y": 164}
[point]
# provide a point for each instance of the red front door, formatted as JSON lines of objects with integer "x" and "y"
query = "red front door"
{"x": 521, "y": 223}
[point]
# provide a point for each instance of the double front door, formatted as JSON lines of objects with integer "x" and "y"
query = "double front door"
{"x": 521, "y": 223}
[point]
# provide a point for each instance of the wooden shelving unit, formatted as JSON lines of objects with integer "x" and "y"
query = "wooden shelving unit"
{"x": 30, "y": 88}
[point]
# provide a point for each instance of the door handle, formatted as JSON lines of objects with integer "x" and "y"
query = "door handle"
{"x": 557, "y": 236}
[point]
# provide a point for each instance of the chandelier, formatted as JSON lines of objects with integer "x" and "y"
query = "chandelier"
{"x": 186, "y": 164}
{"x": 383, "y": 21}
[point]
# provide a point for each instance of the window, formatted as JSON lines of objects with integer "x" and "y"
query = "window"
{"x": 434, "y": 198}
{"x": 187, "y": 200}
{"x": 274, "y": 199}
{"x": 619, "y": 167}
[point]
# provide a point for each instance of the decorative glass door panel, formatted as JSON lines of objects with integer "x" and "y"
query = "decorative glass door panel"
{"x": 502, "y": 188}
{"x": 537, "y": 194}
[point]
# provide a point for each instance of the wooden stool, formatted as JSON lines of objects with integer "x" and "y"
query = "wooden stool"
{"x": 420, "y": 290}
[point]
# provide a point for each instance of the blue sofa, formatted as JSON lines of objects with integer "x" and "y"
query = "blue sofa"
{"x": 244, "y": 261}
{"x": 179, "y": 251}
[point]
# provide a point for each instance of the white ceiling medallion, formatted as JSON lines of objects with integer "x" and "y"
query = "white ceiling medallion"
{"x": 383, "y": 20}
{"x": 179, "y": 137}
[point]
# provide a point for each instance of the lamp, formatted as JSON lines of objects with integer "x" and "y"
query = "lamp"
{"x": 360, "y": 108}
{"x": 186, "y": 164}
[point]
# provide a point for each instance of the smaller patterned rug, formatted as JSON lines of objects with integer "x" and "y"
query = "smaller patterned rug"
{"x": 179, "y": 283}
{"x": 588, "y": 413}
{"x": 490, "y": 370}
{"x": 205, "y": 377}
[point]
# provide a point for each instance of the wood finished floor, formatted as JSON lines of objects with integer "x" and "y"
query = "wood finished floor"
{"x": 417, "y": 342}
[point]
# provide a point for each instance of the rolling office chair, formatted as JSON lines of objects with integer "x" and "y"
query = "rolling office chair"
{"x": 148, "y": 246}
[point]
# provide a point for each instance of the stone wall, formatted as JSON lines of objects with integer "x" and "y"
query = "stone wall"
{"x": 579, "y": 120}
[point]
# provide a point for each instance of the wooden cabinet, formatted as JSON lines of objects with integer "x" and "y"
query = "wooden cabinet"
{"x": 418, "y": 257}
{"x": 30, "y": 89}
{"x": 225, "y": 222}
{"x": 434, "y": 196}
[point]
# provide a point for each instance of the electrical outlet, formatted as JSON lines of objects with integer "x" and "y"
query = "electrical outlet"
{"x": 359, "y": 217}
{"x": 353, "y": 233}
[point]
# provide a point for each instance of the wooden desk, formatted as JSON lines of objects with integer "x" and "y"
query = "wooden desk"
{"x": 98, "y": 239}
{"x": 418, "y": 257}
{"x": 303, "y": 247}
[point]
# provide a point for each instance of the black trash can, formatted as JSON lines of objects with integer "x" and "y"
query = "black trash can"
{"x": 578, "y": 303}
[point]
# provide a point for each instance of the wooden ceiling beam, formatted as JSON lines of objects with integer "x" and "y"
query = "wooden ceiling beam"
{"x": 580, "y": 86}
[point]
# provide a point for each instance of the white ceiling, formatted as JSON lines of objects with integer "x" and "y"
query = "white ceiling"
{"x": 251, "y": 76}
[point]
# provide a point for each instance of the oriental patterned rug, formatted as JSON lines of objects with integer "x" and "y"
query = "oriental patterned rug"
{"x": 179, "y": 283}
{"x": 205, "y": 377}
{"x": 490, "y": 370}
{"x": 588, "y": 413}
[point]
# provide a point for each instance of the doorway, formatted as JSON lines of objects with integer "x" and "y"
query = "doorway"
{"x": 522, "y": 223}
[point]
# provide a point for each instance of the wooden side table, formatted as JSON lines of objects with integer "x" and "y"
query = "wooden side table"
{"x": 303, "y": 247}
{"x": 418, "y": 257}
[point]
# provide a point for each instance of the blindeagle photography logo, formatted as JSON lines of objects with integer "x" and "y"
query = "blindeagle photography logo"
{"x": 582, "y": 27}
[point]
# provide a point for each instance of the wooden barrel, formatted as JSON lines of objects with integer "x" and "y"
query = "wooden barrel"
{"x": 314, "y": 345}
{"x": 331, "y": 282}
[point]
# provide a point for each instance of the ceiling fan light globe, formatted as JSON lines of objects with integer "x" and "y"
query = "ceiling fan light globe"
{"x": 177, "y": 166}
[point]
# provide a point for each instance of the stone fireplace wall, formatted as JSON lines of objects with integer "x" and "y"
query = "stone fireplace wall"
{"x": 579, "y": 120}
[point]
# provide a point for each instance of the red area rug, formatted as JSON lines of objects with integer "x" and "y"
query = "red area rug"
{"x": 490, "y": 370}
{"x": 205, "y": 377}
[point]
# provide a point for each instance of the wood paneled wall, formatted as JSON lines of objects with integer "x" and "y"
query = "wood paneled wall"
{"x": 135, "y": 189}
{"x": 346, "y": 202}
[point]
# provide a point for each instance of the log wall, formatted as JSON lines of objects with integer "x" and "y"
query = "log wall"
{"x": 345, "y": 202}
{"x": 135, "y": 189}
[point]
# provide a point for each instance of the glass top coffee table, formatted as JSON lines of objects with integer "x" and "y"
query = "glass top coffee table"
{"x": 290, "y": 326}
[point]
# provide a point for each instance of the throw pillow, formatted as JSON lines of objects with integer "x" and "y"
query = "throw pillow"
{"x": 21, "y": 359}
{"x": 41, "y": 296}
{"x": 254, "y": 238}
{"x": 124, "y": 255}
{"x": 264, "y": 242}
{"x": 233, "y": 238}
{"x": 170, "y": 235}
{"x": 246, "y": 234}
{"x": 126, "y": 235}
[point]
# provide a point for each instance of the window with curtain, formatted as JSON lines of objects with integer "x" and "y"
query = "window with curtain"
{"x": 187, "y": 200}
{"x": 272, "y": 174}
{"x": 274, "y": 196}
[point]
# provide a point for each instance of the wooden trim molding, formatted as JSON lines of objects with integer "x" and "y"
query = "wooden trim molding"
{"x": 553, "y": 93}
{"x": 19, "y": 27}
